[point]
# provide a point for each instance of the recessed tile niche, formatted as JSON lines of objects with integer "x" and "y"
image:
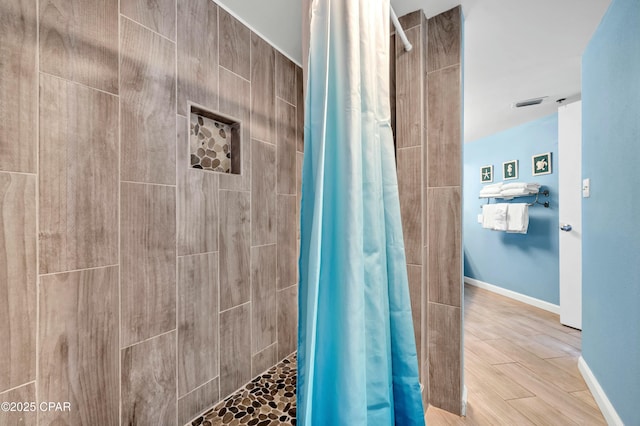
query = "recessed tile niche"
{"x": 214, "y": 142}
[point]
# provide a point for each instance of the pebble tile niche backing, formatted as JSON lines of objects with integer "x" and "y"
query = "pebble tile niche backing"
{"x": 210, "y": 144}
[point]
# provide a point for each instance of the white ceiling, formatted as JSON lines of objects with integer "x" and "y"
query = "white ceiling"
{"x": 277, "y": 21}
{"x": 514, "y": 50}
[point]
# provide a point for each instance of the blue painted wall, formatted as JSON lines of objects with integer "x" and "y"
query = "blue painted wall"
{"x": 611, "y": 217}
{"x": 527, "y": 264}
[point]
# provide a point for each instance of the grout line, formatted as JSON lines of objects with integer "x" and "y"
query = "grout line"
{"x": 251, "y": 160}
{"x": 285, "y": 195}
{"x": 265, "y": 348}
{"x": 147, "y": 28}
{"x": 78, "y": 84}
{"x": 37, "y": 224}
{"x": 148, "y": 339}
{"x": 233, "y": 72}
{"x": 23, "y": 173}
{"x": 286, "y": 288}
{"x": 177, "y": 271}
{"x": 457, "y": 64}
{"x": 180, "y": 177}
{"x": 177, "y": 307}
{"x": 216, "y": 67}
{"x": 234, "y": 307}
{"x": 6, "y": 391}
{"x": 219, "y": 348}
{"x": 78, "y": 270}
{"x": 264, "y": 245}
{"x": 272, "y": 345}
{"x": 235, "y": 190}
{"x": 295, "y": 89}
{"x": 196, "y": 389}
{"x": 278, "y": 98}
{"x": 119, "y": 209}
{"x": 408, "y": 147}
{"x": 179, "y": 173}
{"x": 278, "y": 206}
{"x": 198, "y": 254}
{"x": 262, "y": 141}
{"x": 424, "y": 258}
{"x": 444, "y": 304}
{"x": 147, "y": 183}
{"x": 251, "y": 336}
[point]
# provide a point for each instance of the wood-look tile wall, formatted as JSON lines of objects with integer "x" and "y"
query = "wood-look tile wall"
{"x": 79, "y": 352}
{"x": 443, "y": 216}
{"x": 138, "y": 289}
{"x": 78, "y": 176}
{"x": 18, "y": 85}
{"x": 17, "y": 279}
{"x": 428, "y": 123}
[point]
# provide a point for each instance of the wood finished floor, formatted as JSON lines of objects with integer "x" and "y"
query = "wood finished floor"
{"x": 521, "y": 367}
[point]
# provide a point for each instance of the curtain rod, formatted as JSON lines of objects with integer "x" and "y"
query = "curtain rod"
{"x": 400, "y": 31}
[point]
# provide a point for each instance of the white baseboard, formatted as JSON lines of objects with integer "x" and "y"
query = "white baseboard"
{"x": 608, "y": 411}
{"x": 513, "y": 295}
{"x": 463, "y": 410}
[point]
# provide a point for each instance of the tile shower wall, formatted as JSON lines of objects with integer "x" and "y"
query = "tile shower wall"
{"x": 427, "y": 117}
{"x": 137, "y": 288}
{"x": 442, "y": 189}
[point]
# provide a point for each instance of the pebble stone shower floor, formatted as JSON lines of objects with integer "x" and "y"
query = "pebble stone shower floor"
{"x": 269, "y": 399}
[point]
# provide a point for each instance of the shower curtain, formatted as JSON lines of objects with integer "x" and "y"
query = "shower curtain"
{"x": 357, "y": 362}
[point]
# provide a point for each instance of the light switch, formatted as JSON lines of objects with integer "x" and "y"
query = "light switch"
{"x": 480, "y": 218}
{"x": 586, "y": 188}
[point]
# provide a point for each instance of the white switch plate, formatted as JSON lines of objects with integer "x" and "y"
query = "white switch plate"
{"x": 480, "y": 218}
{"x": 586, "y": 188}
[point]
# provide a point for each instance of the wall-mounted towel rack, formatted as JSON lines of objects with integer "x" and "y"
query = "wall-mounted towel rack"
{"x": 544, "y": 192}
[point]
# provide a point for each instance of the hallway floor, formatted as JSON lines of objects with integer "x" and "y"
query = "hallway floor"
{"x": 521, "y": 367}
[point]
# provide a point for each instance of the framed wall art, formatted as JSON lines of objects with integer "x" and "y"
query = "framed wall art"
{"x": 510, "y": 170}
{"x": 486, "y": 174}
{"x": 541, "y": 164}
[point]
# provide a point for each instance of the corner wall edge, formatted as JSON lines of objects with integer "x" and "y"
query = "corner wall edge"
{"x": 608, "y": 410}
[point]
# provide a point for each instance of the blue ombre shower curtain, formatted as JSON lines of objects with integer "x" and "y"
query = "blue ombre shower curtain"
{"x": 357, "y": 362}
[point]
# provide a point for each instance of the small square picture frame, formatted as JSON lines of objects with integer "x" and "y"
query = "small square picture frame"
{"x": 541, "y": 164}
{"x": 486, "y": 174}
{"x": 510, "y": 170}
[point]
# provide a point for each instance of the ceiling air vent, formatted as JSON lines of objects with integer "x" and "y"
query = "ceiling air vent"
{"x": 529, "y": 102}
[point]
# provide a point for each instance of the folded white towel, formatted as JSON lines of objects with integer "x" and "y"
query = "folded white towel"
{"x": 509, "y": 190}
{"x": 513, "y": 185}
{"x": 518, "y": 218}
{"x": 500, "y": 217}
{"x": 488, "y": 216}
{"x": 519, "y": 185}
{"x": 490, "y": 190}
{"x": 496, "y": 194}
{"x": 518, "y": 191}
{"x": 493, "y": 187}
